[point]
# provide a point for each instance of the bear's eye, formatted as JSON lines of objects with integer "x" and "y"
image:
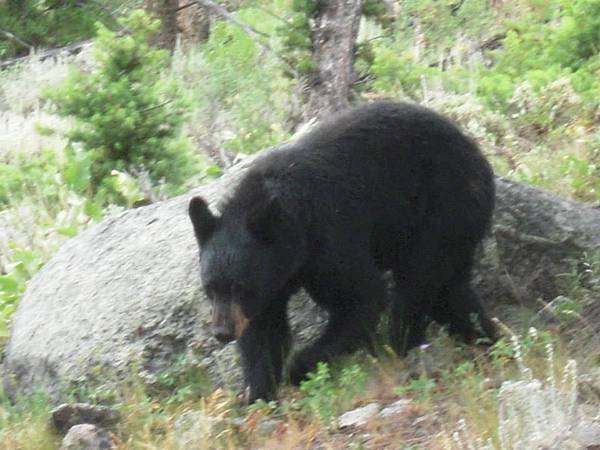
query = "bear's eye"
{"x": 214, "y": 292}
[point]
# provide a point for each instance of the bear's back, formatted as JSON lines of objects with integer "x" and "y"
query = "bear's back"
{"x": 384, "y": 167}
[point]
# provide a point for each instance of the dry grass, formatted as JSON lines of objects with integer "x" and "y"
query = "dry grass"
{"x": 471, "y": 406}
{"x": 23, "y": 109}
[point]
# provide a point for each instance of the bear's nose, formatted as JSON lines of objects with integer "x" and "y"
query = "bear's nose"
{"x": 223, "y": 335}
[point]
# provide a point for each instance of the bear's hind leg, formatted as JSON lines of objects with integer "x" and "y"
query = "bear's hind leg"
{"x": 411, "y": 311}
{"x": 460, "y": 308}
{"x": 419, "y": 279}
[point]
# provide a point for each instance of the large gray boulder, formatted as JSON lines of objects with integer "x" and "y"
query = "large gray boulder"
{"x": 125, "y": 295}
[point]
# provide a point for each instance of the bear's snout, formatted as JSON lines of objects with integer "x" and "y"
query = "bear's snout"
{"x": 223, "y": 334}
{"x": 229, "y": 322}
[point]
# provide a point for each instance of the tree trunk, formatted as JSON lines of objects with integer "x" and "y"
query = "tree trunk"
{"x": 166, "y": 12}
{"x": 193, "y": 23}
{"x": 333, "y": 38}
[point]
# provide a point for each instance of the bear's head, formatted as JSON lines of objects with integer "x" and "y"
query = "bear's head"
{"x": 248, "y": 256}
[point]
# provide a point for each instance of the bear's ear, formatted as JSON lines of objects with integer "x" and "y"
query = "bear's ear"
{"x": 203, "y": 220}
{"x": 264, "y": 221}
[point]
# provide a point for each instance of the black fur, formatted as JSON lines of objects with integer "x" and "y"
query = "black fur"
{"x": 385, "y": 186}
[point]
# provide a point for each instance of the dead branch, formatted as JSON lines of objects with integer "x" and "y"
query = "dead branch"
{"x": 12, "y": 37}
{"x": 221, "y": 11}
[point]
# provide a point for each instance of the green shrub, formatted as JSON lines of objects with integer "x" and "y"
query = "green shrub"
{"x": 26, "y": 263}
{"x": 578, "y": 37}
{"x": 562, "y": 39}
{"x": 551, "y": 109}
{"x": 441, "y": 23}
{"x": 50, "y": 23}
{"x": 43, "y": 200}
{"x": 326, "y": 396}
{"x": 397, "y": 73}
{"x": 295, "y": 35}
{"x": 128, "y": 118}
{"x": 244, "y": 102}
{"x": 24, "y": 174}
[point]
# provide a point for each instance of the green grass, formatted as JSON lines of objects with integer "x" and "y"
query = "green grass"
{"x": 460, "y": 389}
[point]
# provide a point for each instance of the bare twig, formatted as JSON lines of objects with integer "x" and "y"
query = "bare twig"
{"x": 221, "y": 11}
{"x": 71, "y": 49}
{"x": 187, "y": 5}
{"x": 16, "y": 39}
{"x": 454, "y": 8}
{"x": 272, "y": 14}
{"x": 103, "y": 7}
{"x": 152, "y": 108}
{"x": 252, "y": 32}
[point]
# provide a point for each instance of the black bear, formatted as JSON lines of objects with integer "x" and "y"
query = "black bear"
{"x": 385, "y": 186}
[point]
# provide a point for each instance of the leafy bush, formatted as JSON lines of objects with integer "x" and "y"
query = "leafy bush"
{"x": 397, "y": 73}
{"x": 128, "y": 118}
{"x": 12, "y": 284}
{"x": 43, "y": 202}
{"x": 552, "y": 109}
{"x": 244, "y": 101}
{"x": 295, "y": 34}
{"x": 577, "y": 39}
{"x": 325, "y": 396}
{"x": 562, "y": 39}
{"x": 23, "y": 174}
{"x": 441, "y": 25}
{"x": 49, "y": 23}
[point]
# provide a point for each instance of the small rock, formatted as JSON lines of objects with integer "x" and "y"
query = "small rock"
{"x": 589, "y": 384}
{"x": 399, "y": 407}
{"x": 359, "y": 416}
{"x": 66, "y": 416}
{"x": 238, "y": 422}
{"x": 86, "y": 436}
{"x": 269, "y": 426}
{"x": 192, "y": 429}
{"x": 587, "y": 435}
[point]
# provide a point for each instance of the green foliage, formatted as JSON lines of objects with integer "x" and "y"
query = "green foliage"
{"x": 25, "y": 264}
{"x": 495, "y": 89}
{"x": 579, "y": 283}
{"x": 397, "y": 73}
{"x": 296, "y": 34}
{"x": 584, "y": 175}
{"x": 128, "y": 118}
{"x": 49, "y": 179}
{"x": 421, "y": 387}
{"x": 244, "y": 99}
{"x": 26, "y": 425}
{"x": 49, "y": 23}
{"x": 501, "y": 352}
{"x": 24, "y": 174}
{"x": 183, "y": 381}
{"x": 373, "y": 8}
{"x": 54, "y": 188}
{"x": 442, "y": 22}
{"x": 544, "y": 46}
{"x": 577, "y": 39}
{"x": 326, "y": 396}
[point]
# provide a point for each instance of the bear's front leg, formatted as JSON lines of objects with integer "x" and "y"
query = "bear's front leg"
{"x": 263, "y": 348}
{"x": 355, "y": 301}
